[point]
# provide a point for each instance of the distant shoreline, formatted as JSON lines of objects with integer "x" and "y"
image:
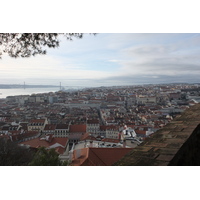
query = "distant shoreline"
{"x": 5, "y": 92}
{"x": 14, "y": 86}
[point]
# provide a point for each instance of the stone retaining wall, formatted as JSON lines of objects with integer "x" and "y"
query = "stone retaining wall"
{"x": 178, "y": 143}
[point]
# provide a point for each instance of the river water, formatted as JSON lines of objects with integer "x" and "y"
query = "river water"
{"x": 27, "y": 91}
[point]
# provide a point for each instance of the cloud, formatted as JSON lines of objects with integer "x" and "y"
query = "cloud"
{"x": 162, "y": 59}
{"x": 111, "y": 59}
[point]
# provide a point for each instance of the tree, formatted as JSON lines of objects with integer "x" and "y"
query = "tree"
{"x": 45, "y": 157}
{"x": 13, "y": 155}
{"x": 31, "y": 44}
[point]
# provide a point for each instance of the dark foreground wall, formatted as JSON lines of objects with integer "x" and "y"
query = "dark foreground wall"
{"x": 189, "y": 153}
{"x": 178, "y": 143}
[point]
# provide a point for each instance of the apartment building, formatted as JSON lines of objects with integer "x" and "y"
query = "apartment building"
{"x": 37, "y": 124}
{"x": 93, "y": 126}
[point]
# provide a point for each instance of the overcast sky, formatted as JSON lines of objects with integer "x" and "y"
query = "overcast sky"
{"x": 110, "y": 59}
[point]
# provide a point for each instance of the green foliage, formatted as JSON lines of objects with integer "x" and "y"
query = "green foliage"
{"x": 65, "y": 163}
{"x": 31, "y": 44}
{"x": 13, "y": 155}
{"x": 45, "y": 157}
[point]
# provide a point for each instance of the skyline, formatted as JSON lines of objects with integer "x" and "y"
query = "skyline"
{"x": 109, "y": 60}
{"x": 98, "y": 16}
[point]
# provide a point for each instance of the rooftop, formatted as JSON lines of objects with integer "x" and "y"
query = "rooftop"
{"x": 62, "y": 126}
{"x": 45, "y": 142}
{"x": 49, "y": 127}
{"x": 37, "y": 121}
{"x": 78, "y": 128}
{"x": 98, "y": 156}
{"x": 175, "y": 144}
{"x": 98, "y": 144}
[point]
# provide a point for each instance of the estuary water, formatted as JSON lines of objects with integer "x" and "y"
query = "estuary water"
{"x": 27, "y": 91}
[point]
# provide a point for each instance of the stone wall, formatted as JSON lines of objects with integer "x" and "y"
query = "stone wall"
{"x": 178, "y": 143}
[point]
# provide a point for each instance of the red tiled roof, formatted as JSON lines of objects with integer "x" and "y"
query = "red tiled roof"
{"x": 87, "y": 136}
{"x": 30, "y": 132}
{"x": 60, "y": 150}
{"x": 24, "y": 125}
{"x": 15, "y": 132}
{"x": 103, "y": 128}
{"x": 110, "y": 140}
{"x": 62, "y": 126}
{"x": 37, "y": 142}
{"x": 16, "y": 135}
{"x": 4, "y": 105}
{"x": 100, "y": 156}
{"x": 93, "y": 121}
{"x": 77, "y": 128}
{"x": 49, "y": 127}
{"x": 131, "y": 126}
{"x": 37, "y": 121}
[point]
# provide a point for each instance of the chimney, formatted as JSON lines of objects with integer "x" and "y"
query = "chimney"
{"x": 11, "y": 138}
{"x": 124, "y": 143}
{"x": 91, "y": 143}
{"x": 47, "y": 138}
{"x": 50, "y": 137}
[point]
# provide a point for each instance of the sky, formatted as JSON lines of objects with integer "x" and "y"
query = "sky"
{"x": 106, "y": 59}
{"x": 109, "y": 59}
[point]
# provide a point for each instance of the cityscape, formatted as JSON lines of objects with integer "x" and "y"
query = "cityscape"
{"x": 97, "y": 99}
{"x": 110, "y": 111}
{"x": 93, "y": 126}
